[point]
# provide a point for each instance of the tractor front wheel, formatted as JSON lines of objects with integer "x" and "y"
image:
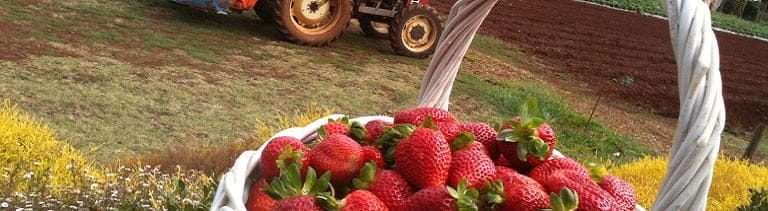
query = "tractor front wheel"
{"x": 312, "y": 22}
{"x": 415, "y": 30}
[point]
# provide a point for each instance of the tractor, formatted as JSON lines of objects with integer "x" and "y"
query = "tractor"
{"x": 412, "y": 26}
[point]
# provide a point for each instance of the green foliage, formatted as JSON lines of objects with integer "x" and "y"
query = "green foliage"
{"x": 758, "y": 201}
{"x": 721, "y": 20}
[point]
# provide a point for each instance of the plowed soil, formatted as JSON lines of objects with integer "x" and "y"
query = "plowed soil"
{"x": 624, "y": 56}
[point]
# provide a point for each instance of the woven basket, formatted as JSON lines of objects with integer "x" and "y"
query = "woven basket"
{"x": 696, "y": 141}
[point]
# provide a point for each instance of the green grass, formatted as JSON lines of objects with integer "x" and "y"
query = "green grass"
{"x": 209, "y": 78}
{"x": 721, "y": 20}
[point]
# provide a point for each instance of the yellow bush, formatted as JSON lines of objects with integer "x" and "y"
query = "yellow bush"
{"x": 31, "y": 155}
{"x": 730, "y": 186}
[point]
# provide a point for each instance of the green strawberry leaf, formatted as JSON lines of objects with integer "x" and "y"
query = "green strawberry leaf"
{"x": 540, "y": 149}
{"x": 463, "y": 140}
{"x": 366, "y": 177}
{"x": 536, "y": 122}
{"x": 507, "y": 135}
{"x": 522, "y": 150}
{"x": 322, "y": 133}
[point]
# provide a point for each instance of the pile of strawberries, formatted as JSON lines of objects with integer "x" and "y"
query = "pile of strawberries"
{"x": 429, "y": 160}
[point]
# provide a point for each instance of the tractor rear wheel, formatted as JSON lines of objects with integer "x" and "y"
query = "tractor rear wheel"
{"x": 264, "y": 11}
{"x": 373, "y": 29}
{"x": 312, "y": 22}
{"x": 415, "y": 30}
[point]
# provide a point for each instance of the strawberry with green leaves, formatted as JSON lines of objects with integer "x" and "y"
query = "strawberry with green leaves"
{"x": 424, "y": 158}
{"x": 388, "y": 185}
{"x": 445, "y": 198}
{"x": 258, "y": 200}
{"x": 470, "y": 162}
{"x": 484, "y": 134}
{"x": 442, "y": 119}
{"x": 374, "y": 129}
{"x": 292, "y": 194}
{"x": 340, "y": 155}
{"x": 373, "y": 154}
{"x": 527, "y": 141}
{"x": 282, "y": 152}
{"x": 622, "y": 192}
{"x": 342, "y": 126}
{"x": 514, "y": 191}
{"x": 590, "y": 196}
{"x": 541, "y": 172}
{"x": 358, "y": 200}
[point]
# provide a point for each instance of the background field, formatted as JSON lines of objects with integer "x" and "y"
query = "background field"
{"x": 136, "y": 77}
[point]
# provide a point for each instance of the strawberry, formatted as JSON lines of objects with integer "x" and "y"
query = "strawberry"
{"x": 514, "y": 191}
{"x": 527, "y": 141}
{"x": 622, "y": 192}
{"x": 293, "y": 194}
{"x": 359, "y": 200}
{"x": 484, "y": 134}
{"x": 444, "y": 198}
{"x": 335, "y": 126}
{"x": 442, "y": 119}
{"x": 372, "y": 154}
{"x": 590, "y": 195}
{"x": 340, "y": 155}
{"x": 375, "y": 129}
{"x": 541, "y": 172}
{"x": 470, "y": 162}
{"x": 501, "y": 161}
{"x": 304, "y": 203}
{"x": 258, "y": 200}
{"x": 424, "y": 158}
{"x": 388, "y": 185}
{"x": 282, "y": 152}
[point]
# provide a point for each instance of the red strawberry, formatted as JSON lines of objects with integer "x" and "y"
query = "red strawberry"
{"x": 307, "y": 203}
{"x": 388, "y": 185}
{"x": 501, "y": 161}
{"x": 442, "y": 119}
{"x": 359, "y": 200}
{"x": 258, "y": 200}
{"x": 293, "y": 194}
{"x": 444, "y": 198}
{"x": 503, "y": 171}
{"x": 470, "y": 162}
{"x": 276, "y": 155}
{"x": 590, "y": 196}
{"x": 338, "y": 126}
{"x": 484, "y": 134}
{"x": 532, "y": 137}
{"x": 541, "y": 172}
{"x": 517, "y": 192}
{"x": 372, "y": 154}
{"x": 424, "y": 158}
{"x": 340, "y": 155}
{"x": 374, "y": 129}
{"x": 622, "y": 192}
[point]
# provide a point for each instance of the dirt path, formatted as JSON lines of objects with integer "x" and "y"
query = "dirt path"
{"x": 626, "y": 57}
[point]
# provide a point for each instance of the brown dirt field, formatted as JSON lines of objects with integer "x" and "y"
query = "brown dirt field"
{"x": 599, "y": 46}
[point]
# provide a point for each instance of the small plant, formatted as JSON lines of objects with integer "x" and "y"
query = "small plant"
{"x": 758, "y": 201}
{"x": 625, "y": 81}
